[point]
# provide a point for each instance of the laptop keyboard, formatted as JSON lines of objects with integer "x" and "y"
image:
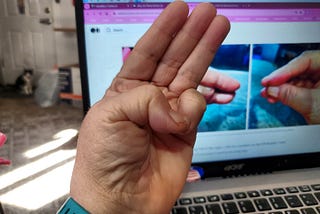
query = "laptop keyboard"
{"x": 304, "y": 199}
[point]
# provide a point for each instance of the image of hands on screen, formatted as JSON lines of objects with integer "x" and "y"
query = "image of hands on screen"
{"x": 297, "y": 84}
{"x": 217, "y": 87}
{"x": 258, "y": 79}
{"x": 284, "y": 85}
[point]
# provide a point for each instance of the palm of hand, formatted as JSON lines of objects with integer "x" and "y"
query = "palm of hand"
{"x": 146, "y": 152}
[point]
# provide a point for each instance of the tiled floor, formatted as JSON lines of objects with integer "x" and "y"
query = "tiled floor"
{"x": 41, "y": 145}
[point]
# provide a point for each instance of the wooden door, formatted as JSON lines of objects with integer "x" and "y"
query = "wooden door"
{"x": 26, "y": 38}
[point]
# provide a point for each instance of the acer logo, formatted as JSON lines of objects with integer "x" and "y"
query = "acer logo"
{"x": 234, "y": 167}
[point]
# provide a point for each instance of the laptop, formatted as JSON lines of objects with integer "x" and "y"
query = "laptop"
{"x": 250, "y": 156}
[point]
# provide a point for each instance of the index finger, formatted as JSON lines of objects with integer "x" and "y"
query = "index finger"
{"x": 294, "y": 68}
{"x": 144, "y": 58}
{"x": 220, "y": 81}
{"x": 197, "y": 63}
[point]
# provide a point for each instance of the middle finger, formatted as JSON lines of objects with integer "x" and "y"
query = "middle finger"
{"x": 183, "y": 44}
{"x": 197, "y": 63}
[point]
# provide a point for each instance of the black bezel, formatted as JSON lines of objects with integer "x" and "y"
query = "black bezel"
{"x": 82, "y": 55}
{"x": 259, "y": 165}
{"x": 211, "y": 169}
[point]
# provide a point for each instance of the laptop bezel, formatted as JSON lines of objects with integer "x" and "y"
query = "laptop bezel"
{"x": 82, "y": 55}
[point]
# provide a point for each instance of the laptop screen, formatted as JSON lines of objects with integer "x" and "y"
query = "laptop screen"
{"x": 264, "y": 37}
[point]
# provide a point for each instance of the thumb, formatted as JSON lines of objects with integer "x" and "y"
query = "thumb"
{"x": 147, "y": 106}
{"x": 295, "y": 97}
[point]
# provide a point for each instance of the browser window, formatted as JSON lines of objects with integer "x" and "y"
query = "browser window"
{"x": 263, "y": 37}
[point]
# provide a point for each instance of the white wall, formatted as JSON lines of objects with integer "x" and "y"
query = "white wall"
{"x": 1, "y": 56}
{"x": 66, "y": 39}
{"x": 64, "y": 14}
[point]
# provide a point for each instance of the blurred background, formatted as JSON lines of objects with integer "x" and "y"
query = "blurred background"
{"x": 38, "y": 36}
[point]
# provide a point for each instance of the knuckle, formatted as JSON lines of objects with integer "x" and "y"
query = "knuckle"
{"x": 288, "y": 94}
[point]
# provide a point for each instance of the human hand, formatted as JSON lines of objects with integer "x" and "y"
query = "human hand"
{"x": 135, "y": 145}
{"x": 297, "y": 85}
{"x": 217, "y": 87}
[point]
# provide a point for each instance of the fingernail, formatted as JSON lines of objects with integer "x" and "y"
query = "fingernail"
{"x": 205, "y": 90}
{"x": 3, "y": 138}
{"x": 273, "y": 91}
{"x": 177, "y": 117}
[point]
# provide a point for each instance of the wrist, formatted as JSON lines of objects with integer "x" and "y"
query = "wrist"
{"x": 96, "y": 199}
{"x": 97, "y": 203}
{"x": 101, "y": 198}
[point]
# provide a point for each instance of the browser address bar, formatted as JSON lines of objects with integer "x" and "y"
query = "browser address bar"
{"x": 137, "y": 13}
{"x": 261, "y": 12}
{"x": 226, "y": 12}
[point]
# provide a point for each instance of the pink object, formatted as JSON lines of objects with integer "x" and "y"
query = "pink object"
{"x": 3, "y": 139}
{"x": 125, "y": 53}
{"x": 193, "y": 176}
{"x": 4, "y": 161}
